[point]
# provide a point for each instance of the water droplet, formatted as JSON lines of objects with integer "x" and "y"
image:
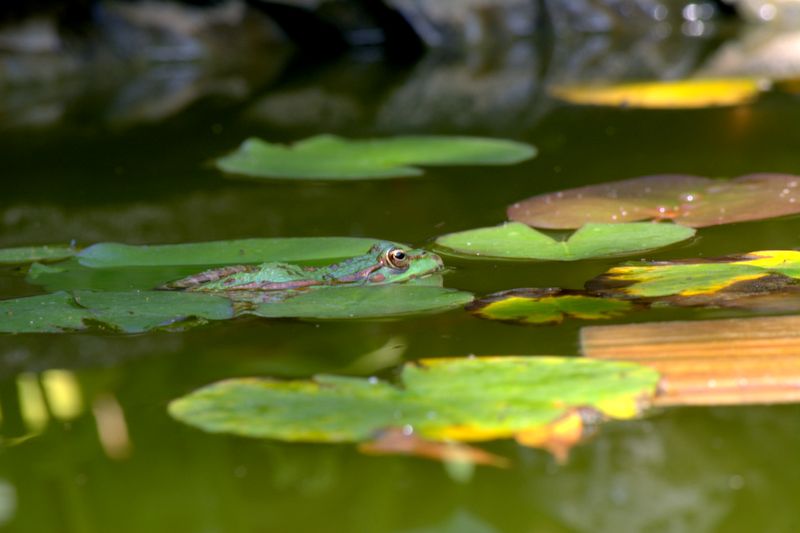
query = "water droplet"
{"x": 689, "y": 197}
{"x": 408, "y": 429}
{"x": 372, "y": 380}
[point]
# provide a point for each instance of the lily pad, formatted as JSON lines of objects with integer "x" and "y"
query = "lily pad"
{"x": 680, "y": 94}
{"x": 30, "y": 254}
{"x": 139, "y": 311}
{"x": 546, "y": 306}
{"x": 514, "y": 240}
{"x": 755, "y": 272}
{"x": 688, "y": 200}
{"x": 70, "y": 275}
{"x": 47, "y": 313}
{"x": 335, "y": 158}
{"x": 291, "y": 249}
{"x": 341, "y": 303}
{"x": 130, "y": 312}
{"x": 458, "y": 399}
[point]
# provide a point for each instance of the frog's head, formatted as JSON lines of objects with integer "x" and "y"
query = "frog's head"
{"x": 397, "y": 264}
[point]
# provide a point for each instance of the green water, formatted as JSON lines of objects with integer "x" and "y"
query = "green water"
{"x": 93, "y": 176}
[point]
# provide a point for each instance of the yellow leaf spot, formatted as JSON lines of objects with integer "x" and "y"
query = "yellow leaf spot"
{"x": 557, "y": 438}
{"x": 467, "y": 433}
{"x": 711, "y": 289}
{"x": 771, "y": 258}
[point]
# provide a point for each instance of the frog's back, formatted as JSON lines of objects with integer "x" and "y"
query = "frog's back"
{"x": 266, "y": 276}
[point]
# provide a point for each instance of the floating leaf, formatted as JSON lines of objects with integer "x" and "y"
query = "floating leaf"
{"x": 291, "y": 249}
{"x": 138, "y": 311}
{"x": 364, "y": 302}
{"x": 130, "y": 312}
{"x": 518, "y": 241}
{"x": 48, "y": 313}
{"x": 30, "y": 254}
{"x": 689, "y": 200}
{"x": 755, "y": 272}
{"x": 331, "y": 157}
{"x": 709, "y": 362}
{"x": 546, "y": 306}
{"x": 70, "y": 275}
{"x": 681, "y": 94}
{"x": 463, "y": 399}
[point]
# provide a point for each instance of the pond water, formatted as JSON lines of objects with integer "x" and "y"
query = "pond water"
{"x": 127, "y": 160}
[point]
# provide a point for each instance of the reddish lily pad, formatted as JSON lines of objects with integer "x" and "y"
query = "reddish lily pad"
{"x": 688, "y": 200}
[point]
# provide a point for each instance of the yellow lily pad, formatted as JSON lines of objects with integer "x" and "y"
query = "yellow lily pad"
{"x": 546, "y": 306}
{"x": 678, "y": 94}
{"x": 752, "y": 273}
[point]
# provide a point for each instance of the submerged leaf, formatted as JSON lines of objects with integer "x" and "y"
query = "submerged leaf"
{"x": 514, "y": 240}
{"x": 395, "y": 441}
{"x": 289, "y": 249}
{"x": 335, "y": 158}
{"x": 463, "y": 399}
{"x": 48, "y": 313}
{"x": 691, "y": 93}
{"x": 336, "y": 303}
{"x": 546, "y": 306}
{"x": 689, "y": 200}
{"x": 752, "y": 273}
{"x": 31, "y": 254}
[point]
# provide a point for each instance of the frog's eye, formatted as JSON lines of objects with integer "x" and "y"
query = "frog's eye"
{"x": 397, "y": 258}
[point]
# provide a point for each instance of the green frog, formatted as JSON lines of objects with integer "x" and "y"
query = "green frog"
{"x": 384, "y": 263}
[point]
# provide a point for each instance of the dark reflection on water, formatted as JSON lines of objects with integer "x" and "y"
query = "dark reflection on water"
{"x": 125, "y": 158}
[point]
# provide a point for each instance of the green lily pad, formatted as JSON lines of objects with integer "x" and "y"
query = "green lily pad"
{"x": 342, "y": 303}
{"x": 129, "y": 312}
{"x": 30, "y": 254}
{"x": 546, "y": 306}
{"x": 755, "y": 272}
{"x": 335, "y": 158}
{"x": 514, "y": 240}
{"x": 291, "y": 249}
{"x": 70, "y": 275}
{"x": 138, "y": 311}
{"x": 689, "y": 200}
{"x": 48, "y": 313}
{"x": 462, "y": 399}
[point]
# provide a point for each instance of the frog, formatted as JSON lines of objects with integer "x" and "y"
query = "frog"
{"x": 383, "y": 264}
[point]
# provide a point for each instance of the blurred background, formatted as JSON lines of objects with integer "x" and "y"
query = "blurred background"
{"x": 110, "y": 113}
